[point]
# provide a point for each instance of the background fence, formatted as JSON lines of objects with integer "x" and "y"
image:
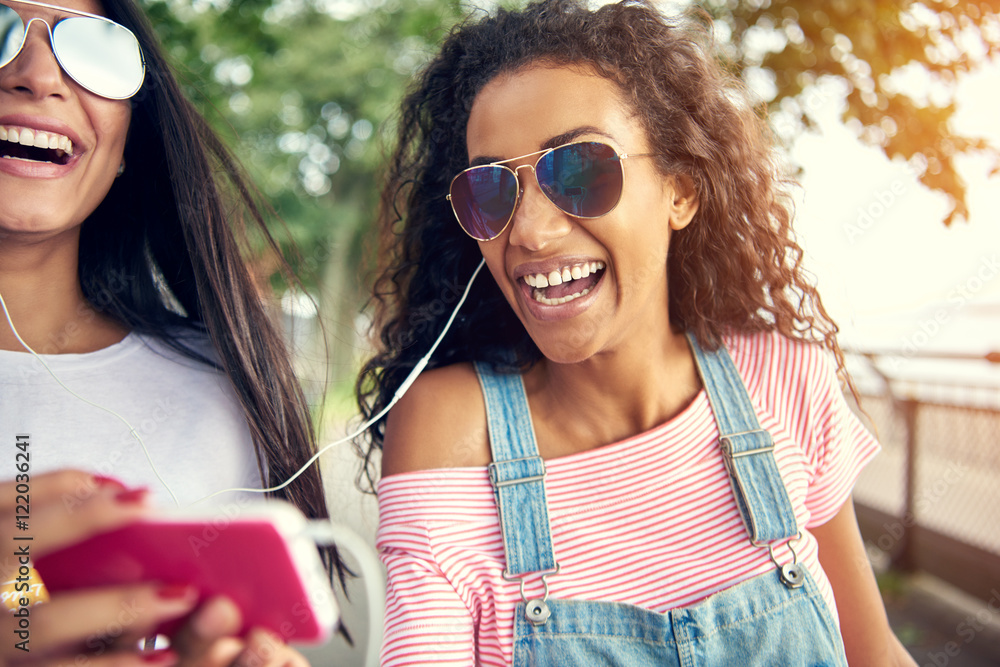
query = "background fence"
{"x": 931, "y": 500}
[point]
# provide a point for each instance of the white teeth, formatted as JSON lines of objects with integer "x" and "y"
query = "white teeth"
{"x": 540, "y": 281}
{"x": 540, "y": 297}
{"x": 28, "y": 137}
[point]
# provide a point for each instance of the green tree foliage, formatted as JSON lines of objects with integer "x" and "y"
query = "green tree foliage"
{"x": 305, "y": 91}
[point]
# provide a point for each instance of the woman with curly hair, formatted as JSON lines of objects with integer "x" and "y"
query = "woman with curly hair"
{"x": 632, "y": 447}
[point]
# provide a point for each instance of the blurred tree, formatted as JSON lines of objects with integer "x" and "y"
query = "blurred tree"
{"x": 305, "y": 90}
{"x": 896, "y": 61}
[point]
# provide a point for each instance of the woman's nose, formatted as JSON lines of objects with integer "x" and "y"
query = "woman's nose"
{"x": 35, "y": 70}
{"x": 537, "y": 221}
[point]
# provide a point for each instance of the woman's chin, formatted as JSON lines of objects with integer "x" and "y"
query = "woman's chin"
{"x": 569, "y": 346}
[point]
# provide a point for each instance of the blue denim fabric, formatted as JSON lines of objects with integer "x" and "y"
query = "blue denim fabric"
{"x": 759, "y": 622}
{"x": 518, "y": 475}
{"x": 760, "y": 493}
{"x": 756, "y": 623}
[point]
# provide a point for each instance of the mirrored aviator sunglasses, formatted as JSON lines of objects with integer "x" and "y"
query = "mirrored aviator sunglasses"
{"x": 583, "y": 179}
{"x": 99, "y": 54}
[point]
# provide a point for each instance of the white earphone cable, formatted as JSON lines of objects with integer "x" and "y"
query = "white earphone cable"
{"x": 403, "y": 387}
{"x": 417, "y": 369}
{"x": 117, "y": 416}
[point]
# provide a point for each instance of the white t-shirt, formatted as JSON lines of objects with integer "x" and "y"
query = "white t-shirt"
{"x": 185, "y": 413}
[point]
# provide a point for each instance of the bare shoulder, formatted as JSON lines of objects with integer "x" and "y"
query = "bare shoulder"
{"x": 439, "y": 423}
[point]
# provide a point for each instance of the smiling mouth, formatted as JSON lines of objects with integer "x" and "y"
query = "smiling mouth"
{"x": 22, "y": 143}
{"x": 565, "y": 284}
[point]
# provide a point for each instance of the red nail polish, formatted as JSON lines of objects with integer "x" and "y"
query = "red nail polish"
{"x": 174, "y": 591}
{"x": 132, "y": 496}
{"x": 105, "y": 481}
{"x": 161, "y": 657}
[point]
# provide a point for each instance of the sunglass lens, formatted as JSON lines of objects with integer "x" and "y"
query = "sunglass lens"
{"x": 583, "y": 179}
{"x": 101, "y": 56}
{"x": 484, "y": 199}
{"x": 11, "y": 34}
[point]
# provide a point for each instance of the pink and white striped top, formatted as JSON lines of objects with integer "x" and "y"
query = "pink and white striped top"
{"x": 649, "y": 521}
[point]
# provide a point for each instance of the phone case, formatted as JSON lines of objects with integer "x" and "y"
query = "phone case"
{"x": 259, "y": 555}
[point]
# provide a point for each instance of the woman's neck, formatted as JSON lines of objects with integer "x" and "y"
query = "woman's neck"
{"x": 40, "y": 285}
{"x": 613, "y": 395}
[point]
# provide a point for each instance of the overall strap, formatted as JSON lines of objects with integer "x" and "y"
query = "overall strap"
{"x": 517, "y": 475}
{"x": 747, "y": 450}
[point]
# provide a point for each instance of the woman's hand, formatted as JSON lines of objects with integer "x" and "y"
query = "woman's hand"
{"x": 92, "y": 627}
{"x": 207, "y": 641}
{"x": 103, "y": 627}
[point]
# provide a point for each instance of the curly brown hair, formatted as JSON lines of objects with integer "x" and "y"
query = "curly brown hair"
{"x": 735, "y": 268}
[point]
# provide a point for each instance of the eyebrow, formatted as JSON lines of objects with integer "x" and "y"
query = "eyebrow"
{"x": 558, "y": 140}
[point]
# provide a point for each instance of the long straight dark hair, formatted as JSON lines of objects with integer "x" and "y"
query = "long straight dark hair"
{"x": 179, "y": 212}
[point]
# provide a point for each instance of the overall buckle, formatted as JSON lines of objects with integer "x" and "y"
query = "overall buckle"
{"x": 537, "y": 610}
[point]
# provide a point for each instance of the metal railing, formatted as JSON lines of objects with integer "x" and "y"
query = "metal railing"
{"x": 931, "y": 500}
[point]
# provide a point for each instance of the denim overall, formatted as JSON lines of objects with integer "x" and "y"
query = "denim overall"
{"x": 774, "y": 619}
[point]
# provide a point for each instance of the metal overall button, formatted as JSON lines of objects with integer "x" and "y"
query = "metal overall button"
{"x": 791, "y": 574}
{"x": 537, "y": 612}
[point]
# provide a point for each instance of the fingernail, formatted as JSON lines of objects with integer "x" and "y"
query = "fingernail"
{"x": 133, "y": 496}
{"x": 104, "y": 481}
{"x": 161, "y": 657}
{"x": 175, "y": 592}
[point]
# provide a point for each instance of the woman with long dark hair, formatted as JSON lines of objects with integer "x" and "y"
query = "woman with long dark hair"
{"x": 632, "y": 447}
{"x": 122, "y": 236}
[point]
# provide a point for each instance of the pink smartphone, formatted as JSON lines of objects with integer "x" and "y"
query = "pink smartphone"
{"x": 259, "y": 555}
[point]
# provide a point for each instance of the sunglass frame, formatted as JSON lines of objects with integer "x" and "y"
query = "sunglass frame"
{"x": 55, "y": 52}
{"x": 517, "y": 196}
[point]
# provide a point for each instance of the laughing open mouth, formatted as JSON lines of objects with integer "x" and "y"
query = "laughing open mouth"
{"x": 21, "y": 143}
{"x": 566, "y": 284}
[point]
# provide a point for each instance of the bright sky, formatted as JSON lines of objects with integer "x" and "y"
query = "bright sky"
{"x": 887, "y": 266}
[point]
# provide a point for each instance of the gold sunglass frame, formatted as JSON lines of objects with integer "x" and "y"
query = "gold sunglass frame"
{"x": 520, "y": 188}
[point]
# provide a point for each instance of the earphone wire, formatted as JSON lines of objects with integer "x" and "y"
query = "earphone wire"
{"x": 403, "y": 387}
{"x": 131, "y": 429}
